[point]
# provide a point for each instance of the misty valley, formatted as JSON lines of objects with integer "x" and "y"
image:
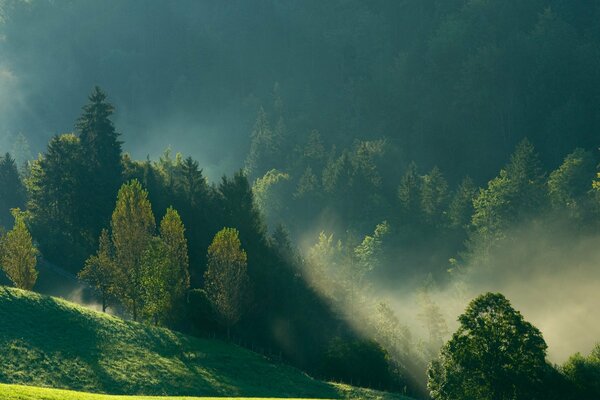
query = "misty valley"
{"x": 304, "y": 200}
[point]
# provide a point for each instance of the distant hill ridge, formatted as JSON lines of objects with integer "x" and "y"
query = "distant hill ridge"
{"x": 50, "y": 342}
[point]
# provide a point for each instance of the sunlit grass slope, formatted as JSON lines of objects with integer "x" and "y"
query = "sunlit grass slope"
{"x": 49, "y": 342}
{"x": 19, "y": 392}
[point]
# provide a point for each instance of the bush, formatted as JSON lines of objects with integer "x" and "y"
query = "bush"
{"x": 358, "y": 362}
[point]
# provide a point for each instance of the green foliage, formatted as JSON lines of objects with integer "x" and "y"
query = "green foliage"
{"x": 460, "y": 209}
{"x": 361, "y": 362}
{"x": 132, "y": 229}
{"x": 177, "y": 275}
{"x": 57, "y": 201}
{"x": 569, "y": 184}
{"x": 18, "y": 255}
{"x": 100, "y": 270}
{"x": 516, "y": 195}
{"x": 408, "y": 192}
{"x": 434, "y": 194}
{"x": 584, "y": 373}
{"x": 265, "y": 147}
{"x": 268, "y": 198}
{"x": 12, "y": 192}
{"x": 157, "y": 281}
{"x": 226, "y": 277}
{"x": 101, "y": 153}
{"x": 495, "y": 355}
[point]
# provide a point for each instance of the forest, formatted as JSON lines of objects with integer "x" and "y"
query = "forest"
{"x": 399, "y": 195}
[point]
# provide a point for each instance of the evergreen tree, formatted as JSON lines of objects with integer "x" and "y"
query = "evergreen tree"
{"x": 461, "y": 206}
{"x": 132, "y": 227}
{"x": 434, "y": 193}
{"x": 265, "y": 146}
{"x": 240, "y": 210}
{"x": 226, "y": 277}
{"x": 101, "y": 154}
{"x": 192, "y": 183}
{"x": 12, "y": 192}
{"x": 570, "y": 183}
{"x": 57, "y": 201}
{"x": 517, "y": 194}
{"x": 18, "y": 255}
{"x": 409, "y": 194}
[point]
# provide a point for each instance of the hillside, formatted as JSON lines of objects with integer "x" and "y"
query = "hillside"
{"x": 49, "y": 342}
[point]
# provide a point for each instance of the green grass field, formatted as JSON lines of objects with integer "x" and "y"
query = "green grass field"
{"x": 20, "y": 392}
{"x": 48, "y": 342}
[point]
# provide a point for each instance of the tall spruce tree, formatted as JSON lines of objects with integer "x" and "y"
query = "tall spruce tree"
{"x": 12, "y": 192}
{"x": 101, "y": 154}
{"x": 57, "y": 202}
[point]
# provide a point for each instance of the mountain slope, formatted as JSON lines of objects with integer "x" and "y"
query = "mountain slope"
{"x": 49, "y": 342}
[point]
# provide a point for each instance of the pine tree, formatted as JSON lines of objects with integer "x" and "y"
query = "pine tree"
{"x": 192, "y": 183}
{"x": 226, "y": 277}
{"x": 265, "y": 147}
{"x": 132, "y": 226}
{"x": 57, "y": 201}
{"x": 12, "y": 192}
{"x": 409, "y": 193}
{"x": 101, "y": 154}
{"x": 461, "y": 206}
{"x": 18, "y": 255}
{"x": 434, "y": 193}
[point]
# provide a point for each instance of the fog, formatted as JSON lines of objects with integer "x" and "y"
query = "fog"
{"x": 191, "y": 75}
{"x": 550, "y": 274}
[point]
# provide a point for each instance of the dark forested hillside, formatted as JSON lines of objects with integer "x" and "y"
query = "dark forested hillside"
{"x": 330, "y": 183}
{"x": 450, "y": 83}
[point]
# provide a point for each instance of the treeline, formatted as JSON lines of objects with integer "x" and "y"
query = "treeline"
{"x": 208, "y": 268}
{"x": 368, "y": 225}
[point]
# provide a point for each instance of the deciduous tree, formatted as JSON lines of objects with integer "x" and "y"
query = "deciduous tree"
{"x": 226, "y": 277}
{"x": 18, "y": 255}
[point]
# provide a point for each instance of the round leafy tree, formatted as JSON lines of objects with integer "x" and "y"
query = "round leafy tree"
{"x": 494, "y": 355}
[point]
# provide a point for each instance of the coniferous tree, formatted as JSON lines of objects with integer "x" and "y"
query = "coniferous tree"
{"x": 101, "y": 155}
{"x": 56, "y": 202}
{"x": 18, "y": 255}
{"x": 265, "y": 146}
{"x": 409, "y": 193}
{"x": 460, "y": 209}
{"x": 570, "y": 183}
{"x": 434, "y": 193}
{"x": 12, "y": 192}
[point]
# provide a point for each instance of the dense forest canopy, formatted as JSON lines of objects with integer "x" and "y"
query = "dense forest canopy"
{"x": 451, "y": 83}
{"x": 329, "y": 182}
